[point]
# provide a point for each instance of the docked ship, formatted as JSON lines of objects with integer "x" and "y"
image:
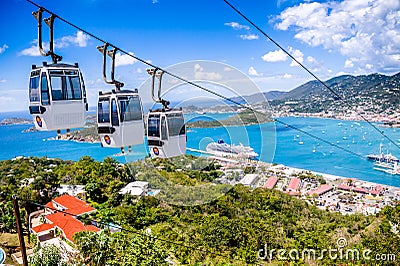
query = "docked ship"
{"x": 221, "y": 148}
{"x": 381, "y": 157}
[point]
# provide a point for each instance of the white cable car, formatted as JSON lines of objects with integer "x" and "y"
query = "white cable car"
{"x": 57, "y": 97}
{"x": 166, "y": 133}
{"x": 120, "y": 119}
{"x": 119, "y": 112}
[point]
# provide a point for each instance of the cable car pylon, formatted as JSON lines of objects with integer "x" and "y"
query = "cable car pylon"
{"x": 120, "y": 120}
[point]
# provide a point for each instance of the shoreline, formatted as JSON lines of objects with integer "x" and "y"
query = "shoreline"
{"x": 334, "y": 178}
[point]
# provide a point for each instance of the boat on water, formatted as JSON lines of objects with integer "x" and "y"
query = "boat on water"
{"x": 220, "y": 148}
{"x": 382, "y": 157}
{"x": 389, "y": 168}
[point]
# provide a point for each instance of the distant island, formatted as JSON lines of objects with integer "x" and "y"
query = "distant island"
{"x": 15, "y": 121}
{"x": 244, "y": 118}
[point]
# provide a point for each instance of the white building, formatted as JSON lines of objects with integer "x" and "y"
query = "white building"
{"x": 249, "y": 180}
{"x": 137, "y": 188}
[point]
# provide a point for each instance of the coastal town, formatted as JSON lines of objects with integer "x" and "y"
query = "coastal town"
{"x": 328, "y": 192}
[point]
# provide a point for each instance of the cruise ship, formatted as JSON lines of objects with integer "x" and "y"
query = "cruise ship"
{"x": 221, "y": 148}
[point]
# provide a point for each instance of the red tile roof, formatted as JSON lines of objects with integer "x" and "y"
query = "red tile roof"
{"x": 66, "y": 222}
{"x": 321, "y": 189}
{"x": 73, "y": 205}
{"x": 374, "y": 192}
{"x": 271, "y": 182}
{"x": 360, "y": 189}
{"x": 344, "y": 187}
{"x": 42, "y": 228}
{"x": 294, "y": 184}
{"x": 69, "y": 225}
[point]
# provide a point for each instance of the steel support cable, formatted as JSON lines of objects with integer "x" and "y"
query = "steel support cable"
{"x": 199, "y": 86}
{"x": 310, "y": 72}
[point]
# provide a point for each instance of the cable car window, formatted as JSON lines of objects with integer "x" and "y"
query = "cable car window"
{"x": 114, "y": 113}
{"x": 83, "y": 86}
{"x": 45, "y": 90}
{"x": 130, "y": 108}
{"x": 34, "y": 89}
{"x": 76, "y": 88}
{"x": 65, "y": 85}
{"x": 153, "y": 126}
{"x": 56, "y": 88}
{"x": 103, "y": 111}
{"x": 176, "y": 124}
{"x": 164, "y": 133}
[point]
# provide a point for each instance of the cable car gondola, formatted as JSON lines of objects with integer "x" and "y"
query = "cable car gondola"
{"x": 57, "y": 95}
{"x": 166, "y": 131}
{"x": 119, "y": 112}
{"x": 120, "y": 118}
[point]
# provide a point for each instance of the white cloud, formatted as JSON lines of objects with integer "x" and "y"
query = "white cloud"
{"x": 297, "y": 54}
{"x": 3, "y": 48}
{"x": 80, "y": 40}
{"x": 253, "y": 72}
{"x": 237, "y": 26}
{"x": 200, "y": 74}
{"x": 348, "y": 64}
{"x": 139, "y": 70}
{"x": 124, "y": 59}
{"x": 365, "y": 32}
{"x": 248, "y": 37}
{"x": 275, "y": 56}
{"x": 34, "y": 50}
{"x": 287, "y": 76}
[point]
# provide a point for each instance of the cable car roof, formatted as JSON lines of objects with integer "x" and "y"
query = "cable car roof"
{"x": 58, "y": 65}
{"x": 117, "y": 92}
{"x": 163, "y": 110}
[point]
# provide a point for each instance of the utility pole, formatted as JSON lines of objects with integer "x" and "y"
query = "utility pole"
{"x": 20, "y": 232}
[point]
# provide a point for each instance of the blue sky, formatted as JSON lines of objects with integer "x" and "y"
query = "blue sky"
{"x": 330, "y": 37}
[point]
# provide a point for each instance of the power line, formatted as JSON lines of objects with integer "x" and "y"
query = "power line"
{"x": 125, "y": 229}
{"x": 197, "y": 85}
{"x": 309, "y": 72}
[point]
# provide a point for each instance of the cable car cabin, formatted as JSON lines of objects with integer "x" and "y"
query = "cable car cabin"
{"x": 120, "y": 119}
{"x": 166, "y": 133}
{"x": 57, "y": 97}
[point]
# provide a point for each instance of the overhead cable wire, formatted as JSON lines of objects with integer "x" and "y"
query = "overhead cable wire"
{"x": 137, "y": 232}
{"x": 197, "y": 85}
{"x": 309, "y": 71}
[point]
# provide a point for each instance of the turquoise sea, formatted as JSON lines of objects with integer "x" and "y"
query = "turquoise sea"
{"x": 312, "y": 154}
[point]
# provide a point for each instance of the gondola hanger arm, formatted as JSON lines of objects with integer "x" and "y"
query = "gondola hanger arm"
{"x": 50, "y": 23}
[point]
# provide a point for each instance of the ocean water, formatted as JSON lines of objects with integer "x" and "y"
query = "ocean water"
{"x": 274, "y": 143}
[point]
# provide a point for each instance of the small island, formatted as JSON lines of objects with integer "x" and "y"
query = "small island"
{"x": 15, "y": 121}
{"x": 243, "y": 118}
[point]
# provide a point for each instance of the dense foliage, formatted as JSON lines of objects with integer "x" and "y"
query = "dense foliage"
{"x": 230, "y": 230}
